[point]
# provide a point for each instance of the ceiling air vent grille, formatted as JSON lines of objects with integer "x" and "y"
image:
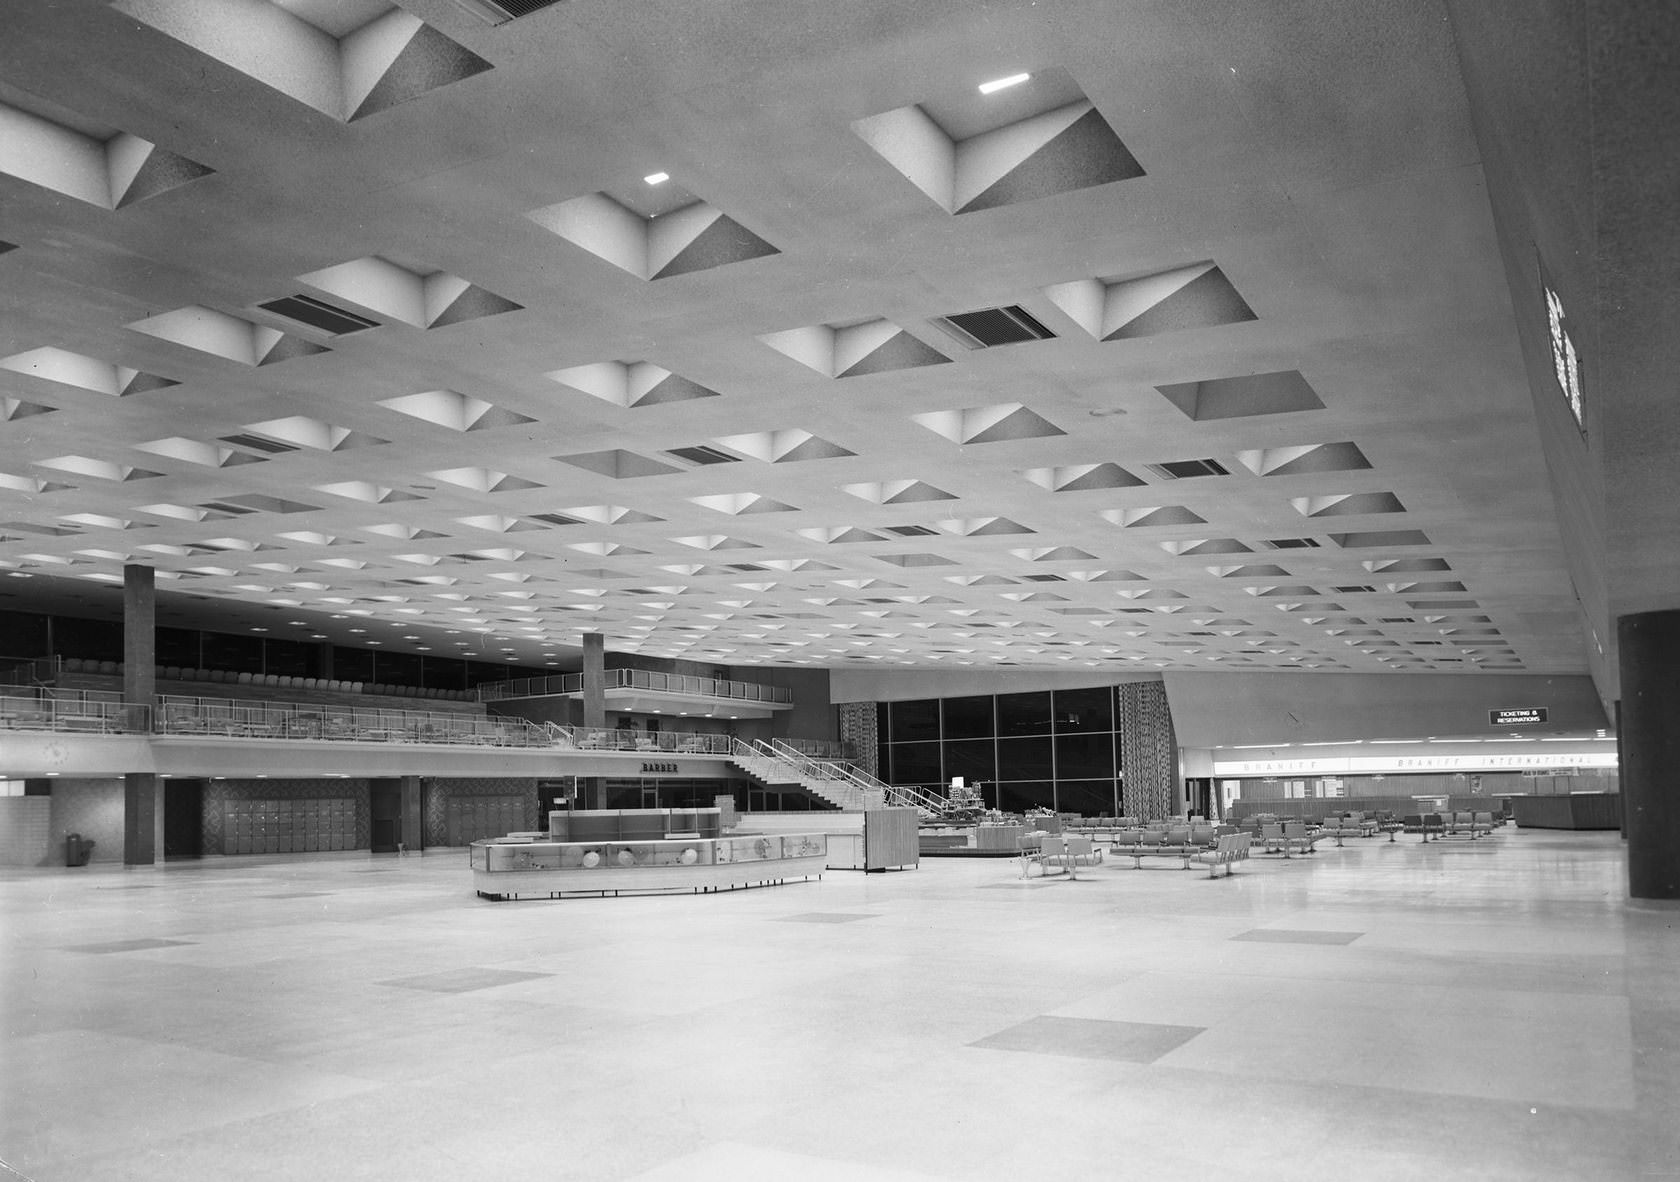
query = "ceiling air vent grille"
{"x": 990, "y": 327}
{"x": 257, "y": 443}
{"x": 499, "y": 12}
{"x": 1184, "y": 469}
{"x": 318, "y": 314}
{"x": 701, "y": 454}
{"x": 911, "y": 531}
{"x": 1290, "y": 543}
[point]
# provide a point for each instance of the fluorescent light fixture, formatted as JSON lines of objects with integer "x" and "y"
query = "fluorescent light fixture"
{"x": 997, "y": 84}
{"x": 657, "y": 178}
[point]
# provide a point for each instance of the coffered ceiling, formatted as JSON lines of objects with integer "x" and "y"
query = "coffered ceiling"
{"x": 1193, "y": 350}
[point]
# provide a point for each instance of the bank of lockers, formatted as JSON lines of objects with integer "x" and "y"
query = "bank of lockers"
{"x": 289, "y": 826}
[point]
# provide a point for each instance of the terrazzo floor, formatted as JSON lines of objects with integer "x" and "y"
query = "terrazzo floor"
{"x": 1389, "y": 1010}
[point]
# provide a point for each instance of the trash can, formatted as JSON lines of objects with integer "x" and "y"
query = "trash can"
{"x": 77, "y": 849}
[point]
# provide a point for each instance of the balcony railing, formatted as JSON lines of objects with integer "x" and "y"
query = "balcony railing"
{"x": 183, "y": 715}
{"x": 676, "y": 684}
{"x": 86, "y": 712}
{"x": 585, "y": 738}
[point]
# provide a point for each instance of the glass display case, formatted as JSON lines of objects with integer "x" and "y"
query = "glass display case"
{"x": 584, "y": 859}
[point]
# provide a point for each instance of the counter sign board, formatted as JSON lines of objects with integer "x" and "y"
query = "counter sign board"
{"x": 1517, "y": 716}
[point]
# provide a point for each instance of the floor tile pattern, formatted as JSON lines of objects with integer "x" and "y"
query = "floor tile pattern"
{"x": 1501, "y": 1017}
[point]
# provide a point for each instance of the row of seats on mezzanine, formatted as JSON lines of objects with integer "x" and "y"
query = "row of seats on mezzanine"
{"x": 260, "y": 683}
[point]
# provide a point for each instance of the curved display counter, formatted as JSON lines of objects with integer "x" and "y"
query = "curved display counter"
{"x": 520, "y": 867}
{"x": 1577, "y": 810}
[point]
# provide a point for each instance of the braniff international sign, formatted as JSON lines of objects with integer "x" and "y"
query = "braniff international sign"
{"x": 1566, "y": 361}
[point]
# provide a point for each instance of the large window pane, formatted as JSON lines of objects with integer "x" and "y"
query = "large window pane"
{"x": 236, "y": 654}
{"x": 1023, "y": 714}
{"x": 25, "y": 634}
{"x": 1024, "y": 759}
{"x": 1085, "y": 709}
{"x": 92, "y": 640}
{"x": 968, "y": 718}
{"x": 1021, "y": 795}
{"x": 910, "y": 721}
{"x": 1088, "y": 798}
{"x": 352, "y": 664}
{"x": 289, "y": 658}
{"x": 972, "y": 759}
{"x": 397, "y": 668}
{"x": 1084, "y": 757}
{"x": 177, "y": 646}
{"x": 914, "y": 763}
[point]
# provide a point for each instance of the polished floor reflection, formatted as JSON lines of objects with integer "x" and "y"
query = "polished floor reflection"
{"x": 1481, "y": 1011}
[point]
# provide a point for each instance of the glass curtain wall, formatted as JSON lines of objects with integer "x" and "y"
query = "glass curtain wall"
{"x": 1054, "y": 749}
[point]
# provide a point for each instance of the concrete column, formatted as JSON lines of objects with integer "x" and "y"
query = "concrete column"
{"x": 1649, "y": 654}
{"x": 139, "y": 638}
{"x": 594, "y": 679}
{"x": 142, "y": 818}
{"x": 324, "y": 656}
{"x": 413, "y": 836}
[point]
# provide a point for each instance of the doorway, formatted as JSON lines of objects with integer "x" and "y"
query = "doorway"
{"x": 183, "y": 818}
{"x": 385, "y": 814}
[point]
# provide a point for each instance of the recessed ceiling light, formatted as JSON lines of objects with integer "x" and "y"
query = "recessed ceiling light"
{"x": 997, "y": 84}
{"x": 659, "y": 178}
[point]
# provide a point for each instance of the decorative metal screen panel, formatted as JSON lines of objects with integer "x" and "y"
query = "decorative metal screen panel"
{"x": 1148, "y": 749}
{"x": 858, "y": 731}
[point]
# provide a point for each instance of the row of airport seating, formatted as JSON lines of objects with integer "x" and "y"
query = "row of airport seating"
{"x": 271, "y": 680}
{"x": 1204, "y": 844}
{"x": 1458, "y": 823}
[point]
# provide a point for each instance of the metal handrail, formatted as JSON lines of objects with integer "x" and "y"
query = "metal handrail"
{"x": 180, "y": 714}
{"x": 30, "y": 670}
{"x": 679, "y": 684}
{"x": 37, "y": 710}
{"x": 585, "y": 738}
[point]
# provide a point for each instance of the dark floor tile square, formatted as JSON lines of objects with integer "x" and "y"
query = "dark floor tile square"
{"x": 1091, "y": 1038}
{"x": 822, "y": 917}
{"x": 1297, "y": 936}
{"x": 464, "y": 980}
{"x": 129, "y": 945}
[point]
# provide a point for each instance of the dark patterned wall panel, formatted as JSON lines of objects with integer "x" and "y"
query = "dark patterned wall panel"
{"x": 439, "y": 791}
{"x": 215, "y": 814}
{"x": 1148, "y": 750}
{"x": 858, "y": 731}
{"x": 232, "y": 807}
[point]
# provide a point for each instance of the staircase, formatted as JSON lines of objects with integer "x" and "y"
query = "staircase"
{"x": 845, "y": 787}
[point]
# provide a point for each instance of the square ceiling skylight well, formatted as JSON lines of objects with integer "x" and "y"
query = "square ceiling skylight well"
{"x": 617, "y": 464}
{"x": 1123, "y": 308}
{"x": 970, "y": 151}
{"x": 897, "y": 492}
{"x": 1000, "y": 423}
{"x": 454, "y": 411}
{"x": 1082, "y": 477}
{"x": 89, "y": 162}
{"x": 853, "y": 348}
{"x": 222, "y": 335}
{"x": 653, "y": 231}
{"x": 83, "y": 372}
{"x": 348, "y": 59}
{"x": 630, "y": 384}
{"x": 1304, "y": 459}
{"x": 195, "y": 451}
{"x": 1282, "y": 392}
{"x": 788, "y": 446}
{"x": 416, "y": 296}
